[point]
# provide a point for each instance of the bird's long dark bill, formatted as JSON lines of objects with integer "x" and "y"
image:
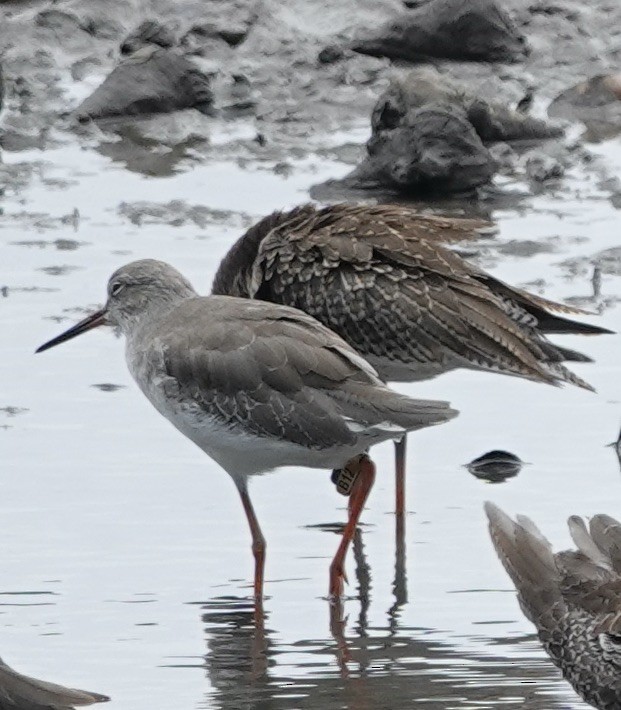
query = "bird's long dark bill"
{"x": 92, "y": 321}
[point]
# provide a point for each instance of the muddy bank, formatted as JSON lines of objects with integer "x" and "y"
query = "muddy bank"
{"x": 292, "y": 77}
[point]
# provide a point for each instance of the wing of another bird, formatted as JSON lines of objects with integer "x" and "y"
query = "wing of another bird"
{"x": 528, "y": 559}
{"x": 24, "y": 693}
{"x": 276, "y": 372}
{"x": 379, "y": 278}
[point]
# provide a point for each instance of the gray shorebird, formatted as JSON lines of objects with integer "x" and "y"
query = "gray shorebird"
{"x": 381, "y": 277}
{"x": 21, "y": 692}
{"x": 255, "y": 385}
{"x": 572, "y": 597}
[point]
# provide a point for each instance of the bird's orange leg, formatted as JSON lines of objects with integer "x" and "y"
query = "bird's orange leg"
{"x": 400, "y": 450}
{"x": 357, "y": 499}
{"x": 258, "y": 542}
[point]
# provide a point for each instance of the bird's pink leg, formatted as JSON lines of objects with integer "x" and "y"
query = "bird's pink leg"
{"x": 258, "y": 542}
{"x": 357, "y": 499}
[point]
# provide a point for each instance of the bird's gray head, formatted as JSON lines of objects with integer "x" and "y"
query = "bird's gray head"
{"x": 134, "y": 291}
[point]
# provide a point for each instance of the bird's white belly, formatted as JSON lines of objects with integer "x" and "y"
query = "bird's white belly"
{"x": 235, "y": 449}
{"x": 242, "y": 454}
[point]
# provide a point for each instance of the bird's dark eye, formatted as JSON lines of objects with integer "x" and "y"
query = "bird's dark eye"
{"x": 115, "y": 288}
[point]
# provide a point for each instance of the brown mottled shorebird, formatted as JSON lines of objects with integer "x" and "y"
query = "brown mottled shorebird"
{"x": 255, "y": 385}
{"x": 572, "y": 597}
{"x": 21, "y": 692}
{"x": 381, "y": 277}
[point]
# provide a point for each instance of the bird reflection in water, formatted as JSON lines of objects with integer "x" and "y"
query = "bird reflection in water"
{"x": 389, "y": 668}
{"x": 361, "y": 666}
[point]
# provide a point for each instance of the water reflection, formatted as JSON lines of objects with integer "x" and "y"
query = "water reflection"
{"x": 138, "y": 153}
{"x": 386, "y": 667}
{"x": 363, "y": 666}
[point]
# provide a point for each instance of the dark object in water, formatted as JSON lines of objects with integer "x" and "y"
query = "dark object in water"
{"x": 20, "y": 692}
{"x": 616, "y": 445}
{"x": 572, "y": 597}
{"x": 495, "y": 466}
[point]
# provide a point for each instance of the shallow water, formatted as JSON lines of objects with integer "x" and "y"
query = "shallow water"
{"x": 125, "y": 555}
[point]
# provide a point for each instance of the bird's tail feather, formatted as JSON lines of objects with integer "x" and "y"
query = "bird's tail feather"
{"x": 528, "y": 559}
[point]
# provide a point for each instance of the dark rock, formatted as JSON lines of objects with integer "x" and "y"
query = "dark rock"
{"x": 434, "y": 149}
{"x": 148, "y": 32}
{"x": 492, "y": 121}
{"x": 453, "y": 29}
{"x": 428, "y": 135}
{"x": 153, "y": 80}
{"x": 595, "y": 102}
{"x": 228, "y": 21}
{"x": 330, "y": 54}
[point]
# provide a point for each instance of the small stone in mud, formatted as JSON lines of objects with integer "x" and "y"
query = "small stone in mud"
{"x": 11, "y": 411}
{"x": 148, "y": 32}
{"x": 477, "y": 30}
{"x": 595, "y": 102}
{"x": 152, "y": 80}
{"x": 59, "y": 270}
{"x": 495, "y": 466}
{"x": 238, "y": 95}
{"x": 330, "y": 54}
{"x": 108, "y": 387}
{"x": 542, "y": 168}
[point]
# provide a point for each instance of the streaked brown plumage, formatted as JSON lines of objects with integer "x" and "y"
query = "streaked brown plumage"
{"x": 572, "y": 597}
{"x": 383, "y": 279}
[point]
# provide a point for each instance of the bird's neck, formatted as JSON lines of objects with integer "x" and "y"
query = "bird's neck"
{"x": 235, "y": 273}
{"x": 153, "y": 310}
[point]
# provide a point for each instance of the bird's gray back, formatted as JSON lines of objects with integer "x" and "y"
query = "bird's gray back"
{"x": 271, "y": 371}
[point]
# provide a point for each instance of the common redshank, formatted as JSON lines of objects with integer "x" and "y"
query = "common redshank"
{"x": 572, "y": 597}
{"x": 382, "y": 278}
{"x": 256, "y": 386}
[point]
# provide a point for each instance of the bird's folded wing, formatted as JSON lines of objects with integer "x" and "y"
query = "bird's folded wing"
{"x": 267, "y": 369}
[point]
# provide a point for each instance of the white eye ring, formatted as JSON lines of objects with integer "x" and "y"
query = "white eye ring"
{"x": 115, "y": 288}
